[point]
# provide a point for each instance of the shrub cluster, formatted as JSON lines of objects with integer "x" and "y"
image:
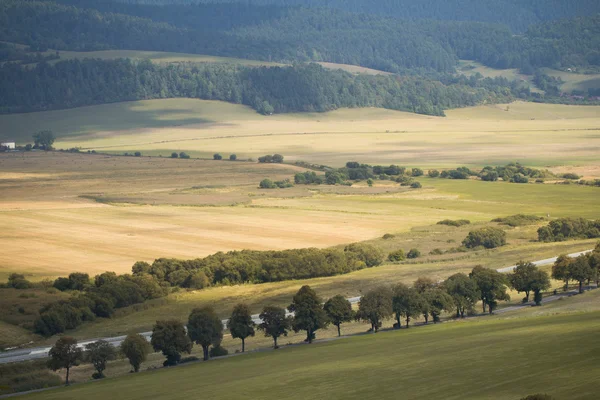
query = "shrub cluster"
{"x": 260, "y": 266}
{"x": 274, "y": 159}
{"x": 487, "y": 237}
{"x": 98, "y": 299}
{"x": 518, "y": 220}
{"x": 454, "y": 222}
{"x": 269, "y": 184}
{"x": 569, "y": 228}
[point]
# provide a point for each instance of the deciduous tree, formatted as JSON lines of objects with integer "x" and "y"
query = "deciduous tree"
{"x": 169, "y": 337}
{"x": 463, "y": 291}
{"x": 205, "y": 328}
{"x": 407, "y": 302}
{"x": 99, "y": 354}
{"x": 65, "y": 354}
{"x": 581, "y": 271}
{"x": 561, "y": 270}
{"x": 274, "y": 323}
{"x": 375, "y": 306}
{"x": 522, "y": 278}
{"x": 437, "y": 301}
{"x": 309, "y": 314}
{"x": 44, "y": 139}
{"x": 492, "y": 286}
{"x": 240, "y": 324}
{"x": 136, "y": 348}
{"x": 339, "y": 310}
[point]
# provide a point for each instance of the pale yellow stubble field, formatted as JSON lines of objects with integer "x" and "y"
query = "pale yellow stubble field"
{"x": 535, "y": 134}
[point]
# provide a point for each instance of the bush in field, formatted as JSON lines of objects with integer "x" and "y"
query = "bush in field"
{"x": 456, "y": 223}
{"x": 490, "y": 176}
{"x": 174, "y": 155}
{"x": 416, "y": 185}
{"x": 218, "y": 351}
{"x": 570, "y": 176}
{"x": 137, "y": 154}
{"x": 518, "y": 220}
{"x": 388, "y": 236}
{"x": 184, "y": 155}
{"x": 232, "y": 157}
{"x": 308, "y": 178}
{"x": 366, "y": 253}
{"x": 433, "y": 173}
{"x": 417, "y": 172}
{"x": 217, "y": 156}
{"x": 267, "y": 184}
{"x": 519, "y": 178}
{"x": 18, "y": 281}
{"x": 488, "y": 237}
{"x": 397, "y": 255}
{"x": 413, "y": 253}
{"x": 275, "y": 158}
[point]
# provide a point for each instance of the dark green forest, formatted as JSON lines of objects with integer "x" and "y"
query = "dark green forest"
{"x": 296, "y": 34}
{"x": 423, "y": 53}
{"x": 298, "y": 88}
{"x": 517, "y": 14}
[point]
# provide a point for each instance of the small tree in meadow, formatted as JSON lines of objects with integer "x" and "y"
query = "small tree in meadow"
{"x": 99, "y": 354}
{"x": 65, "y": 354}
{"x": 136, "y": 348}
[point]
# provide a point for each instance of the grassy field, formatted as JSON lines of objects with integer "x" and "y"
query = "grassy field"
{"x": 572, "y": 80}
{"x": 575, "y": 81}
{"x": 499, "y": 359}
{"x": 98, "y": 213}
{"x": 535, "y": 134}
{"x": 158, "y": 57}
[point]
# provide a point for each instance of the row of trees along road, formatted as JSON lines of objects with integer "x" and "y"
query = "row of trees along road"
{"x": 426, "y": 297}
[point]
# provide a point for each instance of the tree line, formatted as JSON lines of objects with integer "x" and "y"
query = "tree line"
{"x": 298, "y": 88}
{"x": 517, "y": 14}
{"x": 309, "y": 313}
{"x": 292, "y": 34}
{"x": 355, "y": 171}
{"x": 581, "y": 269}
{"x": 101, "y": 296}
{"x": 569, "y": 228}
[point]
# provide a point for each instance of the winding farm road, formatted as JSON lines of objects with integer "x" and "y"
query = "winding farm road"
{"x": 42, "y": 352}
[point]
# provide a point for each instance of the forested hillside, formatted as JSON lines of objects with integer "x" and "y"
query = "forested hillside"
{"x": 296, "y": 34}
{"x": 517, "y": 14}
{"x": 268, "y": 90}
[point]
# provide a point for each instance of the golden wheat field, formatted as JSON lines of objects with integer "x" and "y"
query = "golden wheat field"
{"x": 62, "y": 212}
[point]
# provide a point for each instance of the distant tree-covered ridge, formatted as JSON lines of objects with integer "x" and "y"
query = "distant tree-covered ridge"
{"x": 289, "y": 34}
{"x": 517, "y": 14}
{"x": 298, "y": 88}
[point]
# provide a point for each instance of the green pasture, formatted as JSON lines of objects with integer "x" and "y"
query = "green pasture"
{"x": 484, "y": 359}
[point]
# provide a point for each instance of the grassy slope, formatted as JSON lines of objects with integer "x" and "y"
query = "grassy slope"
{"x": 535, "y": 134}
{"x": 573, "y": 80}
{"x": 499, "y": 359}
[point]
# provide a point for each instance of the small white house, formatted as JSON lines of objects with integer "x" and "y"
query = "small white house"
{"x": 8, "y": 145}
